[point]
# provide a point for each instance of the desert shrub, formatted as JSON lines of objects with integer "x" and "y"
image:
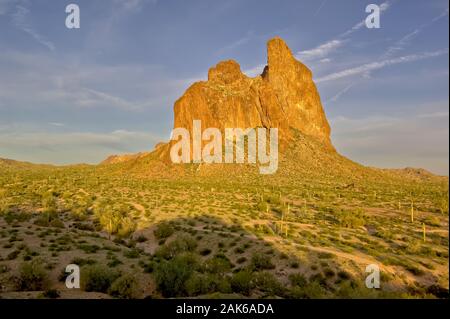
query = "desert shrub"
{"x": 49, "y": 202}
{"x": 180, "y": 245}
{"x": 325, "y": 255}
{"x": 350, "y": 219}
{"x": 171, "y": 275}
{"x": 261, "y": 262}
{"x": 200, "y": 284}
{"x": 351, "y": 289}
{"x": 318, "y": 278}
{"x": 163, "y": 230}
{"x": 262, "y": 206}
{"x": 32, "y": 277}
{"x": 115, "y": 220}
{"x": 4, "y": 269}
{"x": 343, "y": 275}
{"x": 141, "y": 239}
{"x": 84, "y": 226}
{"x": 132, "y": 253}
{"x": 432, "y": 221}
{"x": 114, "y": 262}
{"x": 88, "y": 249}
{"x": 13, "y": 255}
{"x": 414, "y": 269}
{"x": 43, "y": 220}
{"x": 267, "y": 283}
{"x": 328, "y": 272}
{"x": 125, "y": 287}
{"x": 57, "y": 223}
{"x": 11, "y": 217}
{"x": 97, "y": 278}
{"x": 148, "y": 267}
{"x": 242, "y": 282}
{"x": 312, "y": 290}
{"x": 127, "y": 227}
{"x": 219, "y": 264}
{"x": 297, "y": 280}
{"x": 83, "y": 261}
{"x": 272, "y": 199}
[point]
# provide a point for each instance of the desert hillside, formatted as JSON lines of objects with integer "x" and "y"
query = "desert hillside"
{"x": 140, "y": 226}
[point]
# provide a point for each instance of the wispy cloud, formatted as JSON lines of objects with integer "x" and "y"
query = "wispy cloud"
{"x": 132, "y": 5}
{"x": 239, "y": 42}
{"x": 405, "y": 40}
{"x": 320, "y": 51}
{"x": 363, "y": 69}
{"x": 320, "y": 8}
{"x": 20, "y": 20}
{"x": 342, "y": 92}
{"x": 56, "y": 124}
{"x": 325, "y": 49}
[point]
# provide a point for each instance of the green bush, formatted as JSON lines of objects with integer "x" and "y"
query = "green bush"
{"x": 57, "y": 223}
{"x": 171, "y": 275}
{"x": 297, "y": 280}
{"x": 132, "y": 253}
{"x": 13, "y": 255}
{"x": 219, "y": 264}
{"x": 141, "y": 239}
{"x": 351, "y": 219}
{"x": 261, "y": 262}
{"x": 267, "y": 283}
{"x": 32, "y": 277}
{"x": 125, "y": 287}
{"x": 180, "y": 245}
{"x": 201, "y": 284}
{"x": 163, "y": 230}
{"x": 312, "y": 290}
{"x": 97, "y": 278}
{"x": 242, "y": 282}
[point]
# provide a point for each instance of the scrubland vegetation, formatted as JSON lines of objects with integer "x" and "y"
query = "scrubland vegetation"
{"x": 304, "y": 233}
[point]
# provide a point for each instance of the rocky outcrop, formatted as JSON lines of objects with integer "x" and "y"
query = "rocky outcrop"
{"x": 284, "y": 96}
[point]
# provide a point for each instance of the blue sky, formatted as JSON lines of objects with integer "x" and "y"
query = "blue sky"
{"x": 69, "y": 96}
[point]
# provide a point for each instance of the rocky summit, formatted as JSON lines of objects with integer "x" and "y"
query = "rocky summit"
{"x": 284, "y": 96}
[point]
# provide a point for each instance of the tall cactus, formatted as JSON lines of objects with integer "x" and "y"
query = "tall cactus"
{"x": 424, "y": 232}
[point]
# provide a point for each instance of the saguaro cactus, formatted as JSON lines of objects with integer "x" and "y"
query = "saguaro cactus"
{"x": 424, "y": 232}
